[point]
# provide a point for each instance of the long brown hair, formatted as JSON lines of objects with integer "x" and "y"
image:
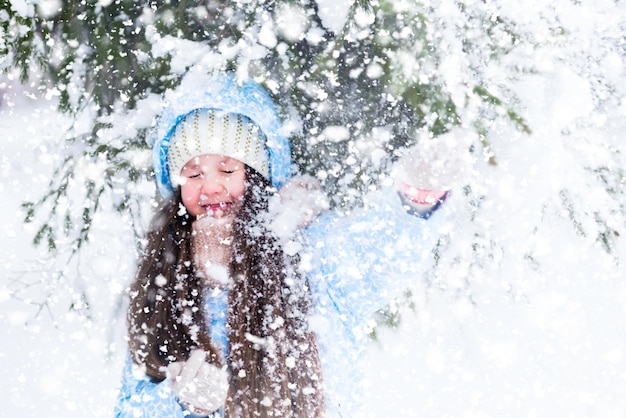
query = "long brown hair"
{"x": 273, "y": 358}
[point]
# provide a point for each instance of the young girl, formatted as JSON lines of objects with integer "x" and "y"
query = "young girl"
{"x": 232, "y": 313}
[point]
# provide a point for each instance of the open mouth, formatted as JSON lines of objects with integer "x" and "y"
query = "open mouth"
{"x": 217, "y": 209}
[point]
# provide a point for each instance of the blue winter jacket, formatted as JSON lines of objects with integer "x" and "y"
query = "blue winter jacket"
{"x": 356, "y": 264}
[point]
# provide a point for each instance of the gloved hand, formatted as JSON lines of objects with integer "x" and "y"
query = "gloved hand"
{"x": 299, "y": 201}
{"x": 211, "y": 243}
{"x": 434, "y": 166}
{"x": 200, "y": 386}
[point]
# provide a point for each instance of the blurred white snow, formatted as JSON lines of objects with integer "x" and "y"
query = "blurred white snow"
{"x": 526, "y": 323}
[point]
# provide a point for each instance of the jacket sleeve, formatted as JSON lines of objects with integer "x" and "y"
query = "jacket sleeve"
{"x": 140, "y": 397}
{"x": 361, "y": 261}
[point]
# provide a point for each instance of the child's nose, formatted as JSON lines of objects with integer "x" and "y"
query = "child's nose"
{"x": 213, "y": 186}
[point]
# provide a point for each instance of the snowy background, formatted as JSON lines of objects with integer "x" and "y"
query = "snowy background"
{"x": 522, "y": 317}
{"x": 55, "y": 362}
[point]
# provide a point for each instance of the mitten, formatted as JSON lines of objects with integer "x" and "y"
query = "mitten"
{"x": 200, "y": 386}
{"x": 440, "y": 163}
{"x": 434, "y": 166}
{"x": 299, "y": 201}
{"x": 212, "y": 249}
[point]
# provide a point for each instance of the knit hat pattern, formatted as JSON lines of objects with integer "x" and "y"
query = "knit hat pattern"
{"x": 221, "y": 92}
{"x": 210, "y": 131}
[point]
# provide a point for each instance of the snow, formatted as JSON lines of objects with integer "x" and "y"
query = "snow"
{"x": 292, "y": 22}
{"x": 560, "y": 354}
{"x": 22, "y": 8}
{"x": 333, "y": 13}
{"x": 522, "y": 315}
{"x": 55, "y": 362}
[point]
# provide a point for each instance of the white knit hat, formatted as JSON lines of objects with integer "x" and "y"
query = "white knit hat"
{"x": 211, "y": 131}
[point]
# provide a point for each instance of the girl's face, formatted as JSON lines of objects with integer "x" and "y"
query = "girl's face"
{"x": 212, "y": 185}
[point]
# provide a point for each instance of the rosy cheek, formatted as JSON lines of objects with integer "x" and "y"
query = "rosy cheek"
{"x": 187, "y": 194}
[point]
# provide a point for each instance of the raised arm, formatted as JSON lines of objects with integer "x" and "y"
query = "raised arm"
{"x": 363, "y": 260}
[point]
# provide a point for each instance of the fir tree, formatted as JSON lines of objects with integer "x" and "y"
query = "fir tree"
{"x": 357, "y": 93}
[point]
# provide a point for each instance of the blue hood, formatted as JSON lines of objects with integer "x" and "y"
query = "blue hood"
{"x": 224, "y": 93}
